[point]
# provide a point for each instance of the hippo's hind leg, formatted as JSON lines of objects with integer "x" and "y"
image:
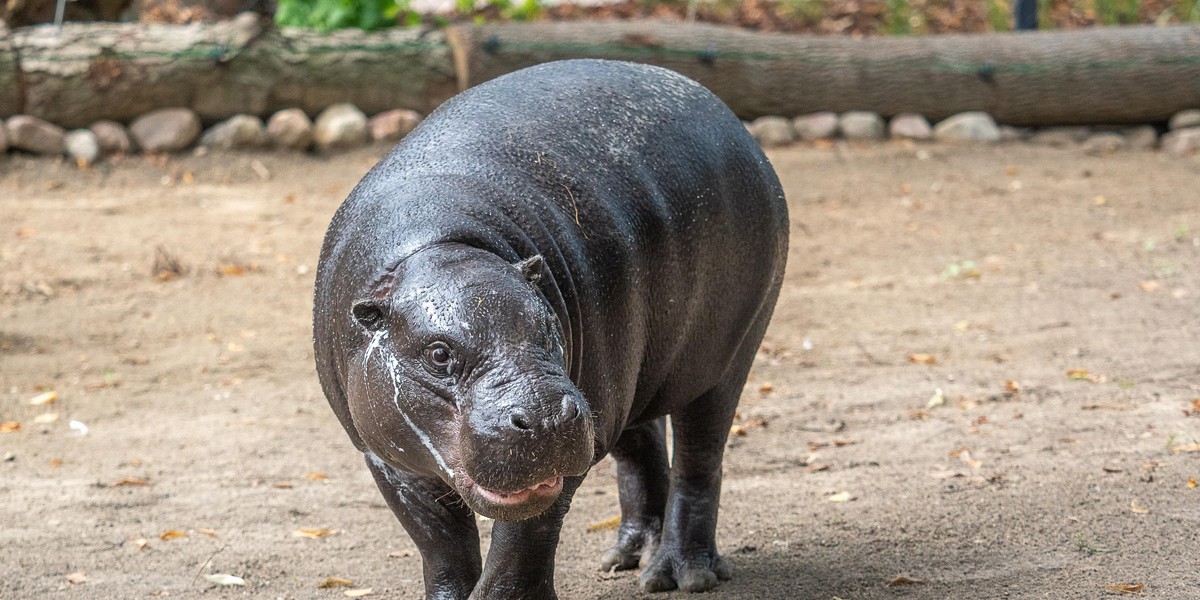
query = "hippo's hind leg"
{"x": 441, "y": 526}
{"x": 642, "y": 476}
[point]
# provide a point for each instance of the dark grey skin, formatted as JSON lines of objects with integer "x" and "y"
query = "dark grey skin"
{"x": 537, "y": 276}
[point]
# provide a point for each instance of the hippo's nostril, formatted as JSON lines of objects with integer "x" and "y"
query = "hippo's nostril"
{"x": 520, "y": 421}
{"x": 570, "y": 408}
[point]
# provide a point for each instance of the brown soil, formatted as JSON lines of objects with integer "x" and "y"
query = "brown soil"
{"x": 1011, "y": 263}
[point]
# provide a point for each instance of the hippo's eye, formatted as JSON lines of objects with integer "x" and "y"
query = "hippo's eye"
{"x": 439, "y": 359}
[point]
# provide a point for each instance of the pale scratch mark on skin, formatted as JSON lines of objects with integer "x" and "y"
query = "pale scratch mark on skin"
{"x": 575, "y": 206}
{"x": 394, "y": 370}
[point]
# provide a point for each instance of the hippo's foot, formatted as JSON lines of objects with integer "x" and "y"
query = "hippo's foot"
{"x": 670, "y": 569}
{"x": 635, "y": 545}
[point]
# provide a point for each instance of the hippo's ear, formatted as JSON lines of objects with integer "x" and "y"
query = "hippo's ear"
{"x": 368, "y": 314}
{"x": 532, "y": 268}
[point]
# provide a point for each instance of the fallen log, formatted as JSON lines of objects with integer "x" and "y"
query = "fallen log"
{"x": 119, "y": 71}
{"x": 1099, "y": 75}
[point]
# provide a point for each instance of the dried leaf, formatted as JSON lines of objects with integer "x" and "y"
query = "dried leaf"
{"x": 10, "y": 427}
{"x": 45, "y": 418}
{"x": 1138, "y": 507}
{"x": 212, "y": 533}
{"x": 1191, "y": 482}
{"x": 284, "y": 485}
{"x": 605, "y": 525}
{"x": 172, "y": 534}
{"x": 906, "y": 580}
{"x": 44, "y": 398}
{"x": 315, "y": 476}
{"x": 78, "y": 427}
{"x": 1194, "y": 410}
{"x": 766, "y": 388}
{"x": 840, "y": 497}
{"x": 131, "y": 482}
{"x": 359, "y": 593}
{"x": 938, "y": 399}
{"x": 738, "y": 430}
{"x": 335, "y": 582}
{"x": 225, "y": 579}
{"x": 77, "y": 577}
{"x": 1125, "y": 588}
{"x": 1185, "y": 448}
{"x": 1012, "y": 386}
{"x": 55, "y": 463}
{"x": 314, "y": 533}
{"x": 400, "y": 554}
{"x": 141, "y": 543}
{"x": 1149, "y": 286}
{"x": 922, "y": 359}
{"x": 1084, "y": 375}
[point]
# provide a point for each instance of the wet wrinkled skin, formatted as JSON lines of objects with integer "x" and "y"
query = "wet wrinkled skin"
{"x": 540, "y": 274}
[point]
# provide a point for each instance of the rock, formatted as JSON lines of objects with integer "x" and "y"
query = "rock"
{"x": 32, "y": 134}
{"x": 236, "y": 133}
{"x": 82, "y": 146}
{"x": 340, "y": 126}
{"x": 910, "y": 126}
{"x": 1105, "y": 142}
{"x": 1141, "y": 137}
{"x": 112, "y": 137}
{"x": 1009, "y": 133}
{"x": 772, "y": 131}
{"x": 390, "y": 126}
{"x": 1181, "y": 141}
{"x": 1060, "y": 137}
{"x": 972, "y": 126}
{"x": 861, "y": 125}
{"x": 816, "y": 126}
{"x": 291, "y": 129}
{"x": 1184, "y": 119}
{"x": 165, "y": 129}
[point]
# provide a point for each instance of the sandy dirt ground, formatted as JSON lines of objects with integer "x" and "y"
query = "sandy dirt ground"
{"x": 1051, "y": 297}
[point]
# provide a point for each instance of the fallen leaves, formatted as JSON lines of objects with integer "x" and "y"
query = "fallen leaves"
{"x": 131, "y": 482}
{"x": 359, "y": 593}
{"x": 1012, "y": 386}
{"x": 1179, "y": 448}
{"x": 172, "y": 534}
{"x": 1125, "y": 588}
{"x": 76, "y": 578}
{"x": 315, "y": 475}
{"x": 921, "y": 358}
{"x": 964, "y": 455}
{"x": 608, "y": 524}
{"x": 44, "y": 398}
{"x": 1191, "y": 483}
{"x": 225, "y": 579}
{"x": 1194, "y": 411}
{"x": 840, "y": 497}
{"x": 938, "y": 399}
{"x": 333, "y": 582}
{"x": 46, "y": 418}
{"x": 1084, "y": 375}
{"x": 1138, "y": 507}
{"x": 9, "y": 427}
{"x": 314, "y": 533}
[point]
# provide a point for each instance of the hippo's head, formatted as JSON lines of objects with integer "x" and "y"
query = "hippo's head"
{"x": 459, "y": 369}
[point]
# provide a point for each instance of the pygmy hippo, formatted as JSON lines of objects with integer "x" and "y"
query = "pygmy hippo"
{"x": 550, "y": 265}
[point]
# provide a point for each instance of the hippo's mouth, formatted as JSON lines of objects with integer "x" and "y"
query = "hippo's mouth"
{"x": 510, "y": 505}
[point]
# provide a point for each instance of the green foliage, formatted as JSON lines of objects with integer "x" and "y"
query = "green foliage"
{"x": 998, "y": 13}
{"x": 326, "y": 15}
{"x": 898, "y": 20}
{"x": 1117, "y": 12}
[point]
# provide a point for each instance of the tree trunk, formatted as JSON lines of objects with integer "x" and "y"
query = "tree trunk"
{"x": 1100, "y": 75}
{"x": 119, "y": 71}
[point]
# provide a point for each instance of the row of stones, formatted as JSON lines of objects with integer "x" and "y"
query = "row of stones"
{"x": 345, "y": 126}
{"x": 1182, "y": 137}
{"x": 174, "y": 129}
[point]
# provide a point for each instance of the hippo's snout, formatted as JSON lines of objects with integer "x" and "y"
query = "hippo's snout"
{"x": 517, "y": 450}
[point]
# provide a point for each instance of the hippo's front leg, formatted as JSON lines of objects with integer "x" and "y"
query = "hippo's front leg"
{"x": 520, "y": 563}
{"x": 441, "y": 526}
